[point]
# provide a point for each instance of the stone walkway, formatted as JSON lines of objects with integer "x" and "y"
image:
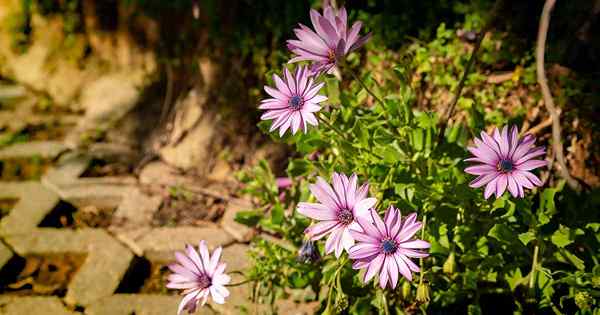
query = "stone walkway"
{"x": 112, "y": 254}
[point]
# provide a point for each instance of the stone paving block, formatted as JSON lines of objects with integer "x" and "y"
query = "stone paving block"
{"x": 136, "y": 209}
{"x": 159, "y": 244}
{"x": 106, "y": 263}
{"x": 5, "y": 254}
{"x": 33, "y": 305}
{"x": 35, "y": 202}
{"x": 103, "y": 193}
{"x": 240, "y": 232}
{"x": 43, "y": 149}
{"x": 69, "y": 168}
{"x": 138, "y": 304}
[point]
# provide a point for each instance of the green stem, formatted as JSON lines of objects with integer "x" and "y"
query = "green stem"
{"x": 421, "y": 259}
{"x": 328, "y": 124}
{"x": 534, "y": 263}
{"x": 364, "y": 86}
{"x": 385, "y": 304}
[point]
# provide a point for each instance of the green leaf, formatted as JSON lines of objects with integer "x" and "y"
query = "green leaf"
{"x": 249, "y": 218}
{"x": 514, "y": 278}
{"x": 526, "y": 237}
{"x": 277, "y": 215}
{"x": 502, "y": 233}
{"x": 562, "y": 237}
{"x": 563, "y": 255}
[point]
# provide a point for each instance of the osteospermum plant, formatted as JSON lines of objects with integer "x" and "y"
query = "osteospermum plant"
{"x": 325, "y": 232}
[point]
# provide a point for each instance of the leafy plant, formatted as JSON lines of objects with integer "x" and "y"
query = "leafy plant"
{"x": 536, "y": 254}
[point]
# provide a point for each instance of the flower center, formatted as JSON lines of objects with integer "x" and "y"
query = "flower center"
{"x": 345, "y": 216}
{"x": 505, "y": 166}
{"x": 331, "y": 55}
{"x": 389, "y": 246}
{"x": 295, "y": 102}
{"x": 203, "y": 281}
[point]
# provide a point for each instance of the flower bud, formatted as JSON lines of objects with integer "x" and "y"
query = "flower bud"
{"x": 450, "y": 264}
{"x": 583, "y": 300}
{"x": 341, "y": 303}
{"x": 596, "y": 282}
{"x": 423, "y": 292}
{"x": 308, "y": 252}
{"x": 406, "y": 290}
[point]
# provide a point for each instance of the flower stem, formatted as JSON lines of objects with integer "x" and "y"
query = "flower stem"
{"x": 423, "y": 238}
{"x": 364, "y": 86}
{"x": 328, "y": 124}
{"x": 385, "y": 304}
{"x": 536, "y": 250}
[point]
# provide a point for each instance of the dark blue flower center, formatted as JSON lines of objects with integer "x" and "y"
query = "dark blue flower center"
{"x": 345, "y": 216}
{"x": 505, "y": 166}
{"x": 203, "y": 281}
{"x": 295, "y": 102}
{"x": 389, "y": 246}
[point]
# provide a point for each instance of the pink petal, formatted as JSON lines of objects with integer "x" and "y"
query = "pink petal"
{"x": 362, "y": 207}
{"x": 531, "y": 164}
{"x": 316, "y": 211}
{"x": 501, "y": 185}
{"x": 374, "y": 267}
{"x": 416, "y": 244}
{"x": 324, "y": 193}
{"x": 321, "y": 229}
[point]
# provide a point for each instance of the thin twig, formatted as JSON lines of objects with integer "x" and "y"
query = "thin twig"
{"x": 539, "y": 127}
{"x": 548, "y": 101}
{"x": 463, "y": 79}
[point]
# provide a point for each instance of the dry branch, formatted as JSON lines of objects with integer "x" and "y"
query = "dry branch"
{"x": 548, "y": 101}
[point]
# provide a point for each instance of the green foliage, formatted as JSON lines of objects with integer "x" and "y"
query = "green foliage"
{"x": 538, "y": 254}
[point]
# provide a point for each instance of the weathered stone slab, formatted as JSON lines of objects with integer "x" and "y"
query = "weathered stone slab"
{"x": 160, "y": 173}
{"x": 35, "y": 202}
{"x": 102, "y": 192}
{"x": 38, "y": 305}
{"x": 5, "y": 254}
{"x": 136, "y": 209}
{"x": 139, "y": 304}
{"x": 103, "y": 269}
{"x": 69, "y": 168}
{"x": 43, "y": 149}
{"x": 160, "y": 243}
{"x": 240, "y": 232}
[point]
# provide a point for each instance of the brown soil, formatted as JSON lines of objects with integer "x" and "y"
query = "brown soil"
{"x": 157, "y": 281}
{"x": 66, "y": 216}
{"x": 23, "y": 169}
{"x": 101, "y": 168}
{"x": 183, "y": 207}
{"x": 48, "y": 275}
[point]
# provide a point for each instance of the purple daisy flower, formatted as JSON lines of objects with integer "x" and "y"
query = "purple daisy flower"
{"x": 294, "y": 101}
{"x": 330, "y": 41}
{"x": 506, "y": 162}
{"x": 385, "y": 247}
{"x": 338, "y": 209}
{"x": 199, "y": 274}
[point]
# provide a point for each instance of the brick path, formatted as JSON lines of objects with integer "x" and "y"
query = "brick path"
{"x": 110, "y": 254}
